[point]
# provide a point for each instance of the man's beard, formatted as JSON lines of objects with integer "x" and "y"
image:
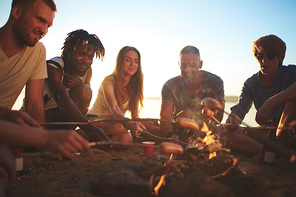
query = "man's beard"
{"x": 24, "y": 35}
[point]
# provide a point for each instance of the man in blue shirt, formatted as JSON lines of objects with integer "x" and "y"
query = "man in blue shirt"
{"x": 270, "y": 89}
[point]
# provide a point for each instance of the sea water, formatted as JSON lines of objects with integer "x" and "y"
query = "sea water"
{"x": 152, "y": 110}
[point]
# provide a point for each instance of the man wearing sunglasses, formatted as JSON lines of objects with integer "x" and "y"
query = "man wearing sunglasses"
{"x": 270, "y": 89}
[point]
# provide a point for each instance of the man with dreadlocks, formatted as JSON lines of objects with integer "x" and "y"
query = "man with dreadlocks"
{"x": 67, "y": 92}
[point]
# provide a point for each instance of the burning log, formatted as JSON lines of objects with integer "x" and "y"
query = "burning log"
{"x": 201, "y": 157}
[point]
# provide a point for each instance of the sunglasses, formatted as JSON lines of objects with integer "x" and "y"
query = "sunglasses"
{"x": 260, "y": 56}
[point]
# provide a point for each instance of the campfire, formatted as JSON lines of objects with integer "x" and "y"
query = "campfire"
{"x": 200, "y": 156}
{"x": 201, "y": 167}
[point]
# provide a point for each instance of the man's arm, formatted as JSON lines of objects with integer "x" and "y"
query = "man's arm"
{"x": 65, "y": 142}
{"x": 61, "y": 96}
{"x": 220, "y": 113}
{"x": 34, "y": 104}
{"x": 19, "y": 117}
{"x": 281, "y": 98}
{"x": 7, "y": 168}
{"x": 166, "y": 113}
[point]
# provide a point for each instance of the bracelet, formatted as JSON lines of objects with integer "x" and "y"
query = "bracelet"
{"x": 125, "y": 124}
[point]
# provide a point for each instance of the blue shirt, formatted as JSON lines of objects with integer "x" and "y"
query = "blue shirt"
{"x": 255, "y": 91}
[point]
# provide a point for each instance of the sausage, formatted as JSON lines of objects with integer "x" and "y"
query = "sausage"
{"x": 171, "y": 148}
{"x": 187, "y": 123}
{"x": 207, "y": 112}
{"x": 211, "y": 103}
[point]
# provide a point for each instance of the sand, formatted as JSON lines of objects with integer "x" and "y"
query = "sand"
{"x": 47, "y": 177}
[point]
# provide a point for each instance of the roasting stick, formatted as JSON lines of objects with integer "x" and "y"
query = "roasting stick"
{"x": 214, "y": 105}
{"x": 288, "y": 128}
{"x": 262, "y": 127}
{"x": 183, "y": 122}
{"x": 107, "y": 120}
{"x": 281, "y": 149}
{"x": 92, "y": 145}
{"x": 259, "y": 128}
{"x": 126, "y": 145}
{"x": 95, "y": 144}
{"x": 166, "y": 138}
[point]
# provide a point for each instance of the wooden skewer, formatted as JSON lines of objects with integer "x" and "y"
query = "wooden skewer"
{"x": 288, "y": 128}
{"x": 106, "y": 120}
{"x": 280, "y": 149}
{"x": 260, "y": 127}
{"x": 166, "y": 138}
{"x": 217, "y": 121}
{"x": 92, "y": 145}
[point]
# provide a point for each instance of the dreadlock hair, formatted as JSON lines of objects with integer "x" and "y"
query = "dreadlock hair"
{"x": 81, "y": 36}
{"x": 272, "y": 44}
{"x": 134, "y": 87}
{"x": 27, "y": 3}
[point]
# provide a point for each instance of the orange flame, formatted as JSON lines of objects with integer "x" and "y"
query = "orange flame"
{"x": 168, "y": 160}
{"x": 209, "y": 139}
{"x": 157, "y": 187}
{"x": 212, "y": 155}
{"x": 204, "y": 128}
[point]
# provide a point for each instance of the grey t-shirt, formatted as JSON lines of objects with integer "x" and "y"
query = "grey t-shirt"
{"x": 17, "y": 70}
{"x": 174, "y": 90}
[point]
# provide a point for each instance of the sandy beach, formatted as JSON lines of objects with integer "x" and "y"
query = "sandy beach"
{"x": 46, "y": 177}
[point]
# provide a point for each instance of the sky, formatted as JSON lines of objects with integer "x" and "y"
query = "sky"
{"x": 223, "y": 31}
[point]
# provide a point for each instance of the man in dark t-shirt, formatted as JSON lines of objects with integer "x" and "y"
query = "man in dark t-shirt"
{"x": 182, "y": 95}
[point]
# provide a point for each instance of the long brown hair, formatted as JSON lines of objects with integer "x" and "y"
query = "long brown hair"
{"x": 134, "y": 87}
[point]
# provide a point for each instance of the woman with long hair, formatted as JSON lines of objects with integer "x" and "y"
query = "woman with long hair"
{"x": 122, "y": 92}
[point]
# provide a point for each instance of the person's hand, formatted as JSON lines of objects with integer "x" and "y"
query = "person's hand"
{"x": 292, "y": 134}
{"x": 263, "y": 113}
{"x": 71, "y": 81}
{"x": 7, "y": 167}
{"x": 21, "y": 117}
{"x": 174, "y": 138}
{"x": 136, "y": 127}
{"x": 96, "y": 134}
{"x": 64, "y": 143}
{"x": 293, "y": 124}
{"x": 234, "y": 121}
